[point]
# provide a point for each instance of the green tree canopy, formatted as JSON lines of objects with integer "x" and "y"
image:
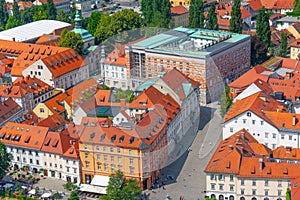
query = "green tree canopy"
{"x": 74, "y": 196}
{"x": 40, "y": 14}
{"x": 263, "y": 27}
{"x": 288, "y": 194}
{"x": 5, "y": 158}
{"x": 157, "y": 8}
{"x": 71, "y": 40}
{"x": 212, "y": 20}
{"x": 258, "y": 51}
{"x": 93, "y": 21}
{"x": 16, "y": 11}
{"x": 124, "y": 94}
{"x": 196, "y": 14}
{"x": 236, "y": 22}
{"x": 120, "y": 188}
{"x": 3, "y": 13}
{"x": 226, "y": 101}
{"x": 50, "y": 7}
{"x": 12, "y": 22}
{"x": 296, "y": 6}
{"x": 283, "y": 45}
{"x": 63, "y": 17}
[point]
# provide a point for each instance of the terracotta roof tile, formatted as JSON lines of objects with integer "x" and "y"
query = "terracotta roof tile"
{"x": 8, "y": 108}
{"x": 178, "y": 10}
{"x": 53, "y": 122}
{"x": 22, "y": 135}
{"x": 255, "y": 5}
{"x": 286, "y": 153}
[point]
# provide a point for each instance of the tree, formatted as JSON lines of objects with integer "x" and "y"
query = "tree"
{"x": 120, "y": 188}
{"x": 70, "y": 186}
{"x": 12, "y": 22}
{"x": 263, "y": 27}
{"x": 296, "y": 6}
{"x": 63, "y": 17}
{"x": 5, "y": 158}
{"x": 196, "y": 14}
{"x": 71, "y": 40}
{"x": 16, "y": 11}
{"x": 236, "y": 22}
{"x": 152, "y": 9}
{"x": 3, "y": 13}
{"x": 258, "y": 51}
{"x": 212, "y": 20}
{"x": 283, "y": 44}
{"x": 74, "y": 196}
{"x": 288, "y": 194}
{"x": 50, "y": 7}
{"x": 226, "y": 101}
{"x": 127, "y": 95}
{"x": 93, "y": 21}
{"x": 40, "y": 14}
{"x": 57, "y": 196}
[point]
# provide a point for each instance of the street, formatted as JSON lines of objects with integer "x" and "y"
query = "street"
{"x": 187, "y": 171}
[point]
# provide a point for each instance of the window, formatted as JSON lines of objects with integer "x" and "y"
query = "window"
{"x": 85, "y": 146}
{"x": 130, "y": 152}
{"x": 253, "y": 122}
{"x": 248, "y": 114}
{"x": 105, "y": 167}
{"x": 119, "y": 159}
{"x": 213, "y": 186}
{"x": 68, "y": 169}
{"x": 60, "y": 166}
{"x": 98, "y": 156}
{"x": 111, "y": 149}
{"x": 279, "y": 192}
{"x": 231, "y": 130}
{"x": 118, "y": 150}
{"x": 105, "y": 157}
{"x": 131, "y": 170}
{"x": 55, "y": 165}
{"x": 212, "y": 177}
{"x": 86, "y": 155}
{"x": 42, "y": 110}
{"x": 254, "y": 182}
{"x": 231, "y": 178}
{"x": 266, "y": 135}
{"x": 221, "y": 187}
{"x": 253, "y": 192}
{"x": 112, "y": 168}
{"x": 274, "y": 135}
{"x": 97, "y": 148}
{"x": 242, "y": 182}
{"x": 98, "y": 166}
{"x": 273, "y": 146}
{"x": 266, "y": 192}
{"x": 244, "y": 121}
{"x": 131, "y": 161}
{"x": 104, "y": 148}
{"x": 261, "y": 122}
{"x": 75, "y": 170}
{"x": 112, "y": 159}
{"x": 282, "y": 137}
{"x": 279, "y": 183}
{"x": 290, "y": 137}
{"x": 220, "y": 177}
{"x": 231, "y": 187}
{"x": 87, "y": 165}
{"x": 266, "y": 182}
{"x": 242, "y": 191}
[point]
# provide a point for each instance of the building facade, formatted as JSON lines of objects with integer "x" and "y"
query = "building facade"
{"x": 210, "y": 57}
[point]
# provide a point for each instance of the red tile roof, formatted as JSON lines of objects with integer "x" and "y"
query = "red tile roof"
{"x": 257, "y": 103}
{"x": 230, "y": 152}
{"x": 22, "y": 135}
{"x": 255, "y": 5}
{"x": 278, "y": 4}
{"x": 296, "y": 43}
{"x": 286, "y": 153}
{"x": 178, "y": 10}
{"x": 8, "y": 109}
{"x": 295, "y": 188}
{"x": 24, "y": 4}
{"x": 62, "y": 144}
{"x": 283, "y": 120}
{"x": 54, "y": 122}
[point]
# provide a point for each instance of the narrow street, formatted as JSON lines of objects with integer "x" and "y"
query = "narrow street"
{"x": 187, "y": 171}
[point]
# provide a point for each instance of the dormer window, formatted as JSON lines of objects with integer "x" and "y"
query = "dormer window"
{"x": 248, "y": 114}
{"x": 143, "y": 103}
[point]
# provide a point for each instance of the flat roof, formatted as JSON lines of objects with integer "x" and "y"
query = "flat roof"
{"x": 32, "y": 30}
{"x": 171, "y": 40}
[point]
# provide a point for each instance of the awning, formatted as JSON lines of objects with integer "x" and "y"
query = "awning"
{"x": 101, "y": 181}
{"x": 92, "y": 189}
{"x": 31, "y": 191}
{"x": 46, "y": 195}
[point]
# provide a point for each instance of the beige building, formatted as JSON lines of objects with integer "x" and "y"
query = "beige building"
{"x": 243, "y": 169}
{"x": 295, "y": 49}
{"x": 179, "y": 16}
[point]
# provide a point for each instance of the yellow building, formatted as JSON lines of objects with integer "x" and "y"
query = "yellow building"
{"x": 180, "y": 2}
{"x": 295, "y": 49}
{"x": 139, "y": 151}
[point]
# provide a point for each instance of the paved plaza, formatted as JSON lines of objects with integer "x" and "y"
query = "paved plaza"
{"x": 189, "y": 178}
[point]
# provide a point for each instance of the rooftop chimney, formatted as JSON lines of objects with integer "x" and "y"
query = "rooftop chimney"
{"x": 294, "y": 120}
{"x": 261, "y": 164}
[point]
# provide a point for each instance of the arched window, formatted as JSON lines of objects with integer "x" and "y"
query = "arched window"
{"x": 253, "y": 198}
{"x": 242, "y": 198}
{"x": 231, "y": 197}
{"x": 279, "y": 199}
{"x": 221, "y": 197}
{"x": 213, "y": 196}
{"x": 266, "y": 198}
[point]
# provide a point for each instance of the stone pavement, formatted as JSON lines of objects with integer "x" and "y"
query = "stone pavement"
{"x": 188, "y": 170}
